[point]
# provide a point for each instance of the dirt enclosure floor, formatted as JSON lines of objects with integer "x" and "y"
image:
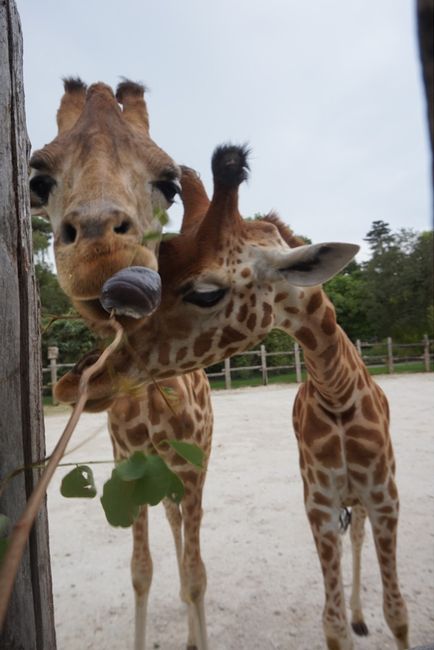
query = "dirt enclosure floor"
{"x": 264, "y": 581}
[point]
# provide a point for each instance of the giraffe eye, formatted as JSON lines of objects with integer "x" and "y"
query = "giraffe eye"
{"x": 40, "y": 188}
{"x": 169, "y": 189}
{"x": 205, "y": 298}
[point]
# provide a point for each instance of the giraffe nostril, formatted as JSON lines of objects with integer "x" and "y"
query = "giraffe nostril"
{"x": 68, "y": 233}
{"x": 122, "y": 228}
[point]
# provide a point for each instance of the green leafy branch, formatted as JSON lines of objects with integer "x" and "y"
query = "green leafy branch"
{"x": 134, "y": 482}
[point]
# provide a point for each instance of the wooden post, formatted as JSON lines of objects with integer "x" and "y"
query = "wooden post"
{"x": 53, "y": 355}
{"x": 29, "y": 623}
{"x": 359, "y": 347}
{"x": 264, "y": 365}
{"x": 389, "y": 355}
{"x": 426, "y": 357}
{"x": 297, "y": 363}
{"x": 228, "y": 372}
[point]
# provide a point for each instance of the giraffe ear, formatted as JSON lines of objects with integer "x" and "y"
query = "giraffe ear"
{"x": 310, "y": 265}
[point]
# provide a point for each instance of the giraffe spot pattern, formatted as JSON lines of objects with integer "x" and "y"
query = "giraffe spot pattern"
{"x": 138, "y": 435}
{"x": 306, "y": 337}
{"x": 314, "y": 303}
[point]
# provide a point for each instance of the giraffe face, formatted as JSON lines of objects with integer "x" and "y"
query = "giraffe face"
{"x": 102, "y": 182}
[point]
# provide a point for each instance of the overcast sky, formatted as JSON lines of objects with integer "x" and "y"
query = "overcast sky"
{"x": 327, "y": 93}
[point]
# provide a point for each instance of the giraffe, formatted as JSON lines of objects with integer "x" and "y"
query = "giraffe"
{"x": 226, "y": 283}
{"x": 101, "y": 183}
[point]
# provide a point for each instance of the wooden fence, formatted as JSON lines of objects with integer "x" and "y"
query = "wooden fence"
{"x": 265, "y": 365}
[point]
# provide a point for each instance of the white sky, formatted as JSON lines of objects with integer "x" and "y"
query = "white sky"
{"x": 327, "y": 93}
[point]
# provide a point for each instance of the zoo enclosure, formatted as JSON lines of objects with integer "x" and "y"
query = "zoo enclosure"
{"x": 262, "y": 367}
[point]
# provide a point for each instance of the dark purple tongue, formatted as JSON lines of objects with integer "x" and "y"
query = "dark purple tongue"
{"x": 135, "y": 291}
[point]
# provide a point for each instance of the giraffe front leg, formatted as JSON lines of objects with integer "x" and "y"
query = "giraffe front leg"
{"x": 141, "y": 574}
{"x": 193, "y": 569}
{"x": 384, "y": 521}
{"x": 324, "y": 524}
{"x": 357, "y": 533}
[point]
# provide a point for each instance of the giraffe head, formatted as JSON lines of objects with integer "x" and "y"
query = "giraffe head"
{"x": 226, "y": 283}
{"x": 101, "y": 182}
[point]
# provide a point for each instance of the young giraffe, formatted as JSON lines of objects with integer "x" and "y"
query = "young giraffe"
{"x": 226, "y": 283}
{"x": 100, "y": 182}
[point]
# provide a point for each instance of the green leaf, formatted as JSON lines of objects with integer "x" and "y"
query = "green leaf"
{"x": 149, "y": 236}
{"x": 117, "y": 500}
{"x": 4, "y": 525}
{"x": 79, "y": 483}
{"x": 4, "y": 543}
{"x": 155, "y": 484}
{"x": 192, "y": 453}
{"x": 176, "y": 488}
{"x": 132, "y": 468}
{"x": 162, "y": 216}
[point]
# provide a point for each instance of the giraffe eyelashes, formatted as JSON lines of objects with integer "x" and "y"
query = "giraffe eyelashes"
{"x": 207, "y": 298}
{"x": 168, "y": 188}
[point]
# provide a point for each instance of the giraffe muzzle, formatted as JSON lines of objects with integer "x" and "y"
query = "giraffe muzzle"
{"x": 134, "y": 291}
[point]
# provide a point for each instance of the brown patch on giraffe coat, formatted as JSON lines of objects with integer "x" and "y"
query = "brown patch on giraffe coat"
{"x": 117, "y": 438}
{"x": 328, "y": 322}
{"x": 321, "y": 500}
{"x": 230, "y": 335}
{"x": 229, "y": 308}
{"x": 323, "y": 478}
{"x": 330, "y": 352}
{"x": 360, "y": 382}
{"x": 326, "y": 552}
{"x": 330, "y": 454}
{"x": 368, "y": 409}
{"x": 181, "y": 354}
{"x": 246, "y": 272}
{"x": 359, "y": 477}
{"x": 138, "y": 435}
{"x": 357, "y": 453}
{"x": 348, "y": 415}
{"x": 280, "y": 296}
{"x": 314, "y": 303}
{"x": 317, "y": 517}
{"x": 242, "y": 313}
{"x": 267, "y": 317}
{"x": 347, "y": 394}
{"x": 306, "y": 337}
{"x": 313, "y": 427}
{"x": 380, "y": 472}
{"x": 251, "y": 322}
{"x": 203, "y": 343}
{"x": 377, "y": 497}
{"x": 367, "y": 435}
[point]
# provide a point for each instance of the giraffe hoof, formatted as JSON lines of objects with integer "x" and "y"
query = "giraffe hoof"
{"x": 360, "y": 628}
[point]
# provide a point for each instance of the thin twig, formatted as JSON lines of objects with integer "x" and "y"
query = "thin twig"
{"x": 23, "y": 526}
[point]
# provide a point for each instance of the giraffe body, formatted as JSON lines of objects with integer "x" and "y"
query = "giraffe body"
{"x": 102, "y": 182}
{"x": 226, "y": 283}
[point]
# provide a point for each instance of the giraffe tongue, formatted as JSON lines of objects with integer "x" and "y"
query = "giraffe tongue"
{"x": 134, "y": 291}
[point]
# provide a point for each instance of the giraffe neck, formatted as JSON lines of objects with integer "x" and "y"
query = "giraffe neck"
{"x": 332, "y": 361}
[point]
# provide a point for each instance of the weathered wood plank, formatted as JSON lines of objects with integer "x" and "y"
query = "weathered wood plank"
{"x": 30, "y": 622}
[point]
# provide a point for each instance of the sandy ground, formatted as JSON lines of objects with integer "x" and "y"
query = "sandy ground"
{"x": 264, "y": 583}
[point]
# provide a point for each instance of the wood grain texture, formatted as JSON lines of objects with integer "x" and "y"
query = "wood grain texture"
{"x": 30, "y": 621}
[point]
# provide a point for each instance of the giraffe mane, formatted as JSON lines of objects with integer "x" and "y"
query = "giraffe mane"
{"x": 285, "y": 231}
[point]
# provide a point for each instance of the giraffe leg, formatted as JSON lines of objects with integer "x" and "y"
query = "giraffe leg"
{"x": 173, "y": 514}
{"x": 141, "y": 574}
{"x": 325, "y": 526}
{"x": 384, "y": 521}
{"x": 357, "y": 532}
{"x": 193, "y": 569}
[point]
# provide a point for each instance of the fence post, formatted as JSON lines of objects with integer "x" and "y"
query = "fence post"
{"x": 359, "y": 347}
{"x": 264, "y": 365}
{"x": 297, "y": 362}
{"x": 389, "y": 355}
{"x": 53, "y": 355}
{"x": 228, "y": 372}
{"x": 426, "y": 358}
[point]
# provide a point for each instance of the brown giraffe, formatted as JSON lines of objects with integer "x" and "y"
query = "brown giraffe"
{"x": 100, "y": 183}
{"x": 226, "y": 283}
